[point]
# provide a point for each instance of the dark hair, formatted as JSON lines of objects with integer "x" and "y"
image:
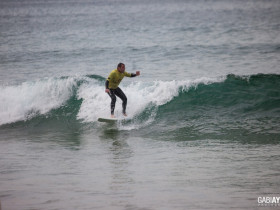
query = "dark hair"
{"x": 120, "y": 65}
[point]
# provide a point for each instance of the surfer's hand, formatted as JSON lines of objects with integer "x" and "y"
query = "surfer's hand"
{"x": 137, "y": 73}
{"x": 107, "y": 90}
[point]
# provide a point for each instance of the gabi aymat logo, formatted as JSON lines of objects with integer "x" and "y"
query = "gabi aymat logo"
{"x": 269, "y": 201}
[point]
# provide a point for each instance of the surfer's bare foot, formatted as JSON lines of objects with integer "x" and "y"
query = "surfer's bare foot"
{"x": 112, "y": 116}
{"x": 124, "y": 114}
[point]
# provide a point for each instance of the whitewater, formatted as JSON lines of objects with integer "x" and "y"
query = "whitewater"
{"x": 22, "y": 102}
{"x": 147, "y": 100}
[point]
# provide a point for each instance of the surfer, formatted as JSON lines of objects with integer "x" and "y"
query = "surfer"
{"x": 112, "y": 83}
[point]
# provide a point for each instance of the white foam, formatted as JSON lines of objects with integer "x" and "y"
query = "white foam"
{"x": 140, "y": 95}
{"x": 30, "y": 98}
{"x": 24, "y": 101}
{"x": 95, "y": 102}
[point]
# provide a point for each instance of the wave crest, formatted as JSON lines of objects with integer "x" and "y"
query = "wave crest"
{"x": 147, "y": 101}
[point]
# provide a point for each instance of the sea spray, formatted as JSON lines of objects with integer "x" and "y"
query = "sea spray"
{"x": 144, "y": 98}
{"x": 95, "y": 102}
{"x": 224, "y": 103}
{"x": 23, "y": 102}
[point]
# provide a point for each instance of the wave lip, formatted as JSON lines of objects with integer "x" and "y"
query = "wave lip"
{"x": 23, "y": 102}
{"x": 141, "y": 96}
{"x": 225, "y": 99}
{"x": 243, "y": 93}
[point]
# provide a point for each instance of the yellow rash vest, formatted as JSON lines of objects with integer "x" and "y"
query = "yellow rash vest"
{"x": 115, "y": 77}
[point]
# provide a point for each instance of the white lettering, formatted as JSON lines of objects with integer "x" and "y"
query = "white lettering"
{"x": 269, "y": 200}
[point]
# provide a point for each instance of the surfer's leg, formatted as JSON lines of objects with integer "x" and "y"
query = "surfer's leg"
{"x": 113, "y": 101}
{"x": 122, "y": 96}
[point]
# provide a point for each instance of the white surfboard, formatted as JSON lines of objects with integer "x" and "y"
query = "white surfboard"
{"x": 107, "y": 120}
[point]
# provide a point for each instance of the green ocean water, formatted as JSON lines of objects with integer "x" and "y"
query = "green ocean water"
{"x": 184, "y": 110}
{"x": 182, "y": 141}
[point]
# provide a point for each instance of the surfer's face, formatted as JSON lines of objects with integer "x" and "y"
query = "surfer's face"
{"x": 121, "y": 69}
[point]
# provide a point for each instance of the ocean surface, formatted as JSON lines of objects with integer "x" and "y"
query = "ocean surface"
{"x": 203, "y": 125}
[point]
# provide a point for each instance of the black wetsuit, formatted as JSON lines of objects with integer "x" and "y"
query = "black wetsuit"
{"x": 116, "y": 91}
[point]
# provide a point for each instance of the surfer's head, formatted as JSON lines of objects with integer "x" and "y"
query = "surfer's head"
{"x": 121, "y": 67}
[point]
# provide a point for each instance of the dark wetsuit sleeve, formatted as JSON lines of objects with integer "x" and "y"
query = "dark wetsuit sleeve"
{"x": 107, "y": 84}
{"x": 133, "y": 75}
